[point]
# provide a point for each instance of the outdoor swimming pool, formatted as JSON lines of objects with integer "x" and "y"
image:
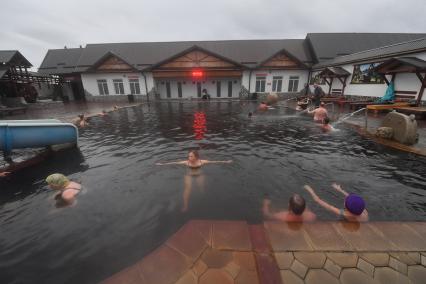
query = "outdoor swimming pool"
{"x": 129, "y": 206}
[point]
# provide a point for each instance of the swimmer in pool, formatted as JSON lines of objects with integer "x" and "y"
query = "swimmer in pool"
{"x": 319, "y": 113}
{"x": 103, "y": 113}
{"x": 326, "y": 127}
{"x": 80, "y": 121}
{"x": 4, "y": 174}
{"x": 68, "y": 189}
{"x": 263, "y": 106}
{"x": 354, "y": 206}
{"x": 194, "y": 173}
{"x": 297, "y": 211}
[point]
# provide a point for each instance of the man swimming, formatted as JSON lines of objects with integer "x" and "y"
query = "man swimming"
{"x": 326, "y": 125}
{"x": 263, "y": 106}
{"x": 354, "y": 206}
{"x": 194, "y": 161}
{"x": 319, "y": 113}
{"x": 297, "y": 211}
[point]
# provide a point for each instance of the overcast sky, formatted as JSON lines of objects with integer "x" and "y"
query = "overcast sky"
{"x": 34, "y": 26}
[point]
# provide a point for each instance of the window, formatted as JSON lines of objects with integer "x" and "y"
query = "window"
{"x": 293, "y": 84}
{"x": 179, "y": 89}
{"x": 277, "y": 82}
{"x": 118, "y": 86}
{"x": 103, "y": 87}
{"x": 229, "y": 89}
{"x": 218, "y": 88}
{"x": 168, "y": 92}
{"x": 134, "y": 86}
{"x": 260, "y": 84}
{"x": 199, "y": 89}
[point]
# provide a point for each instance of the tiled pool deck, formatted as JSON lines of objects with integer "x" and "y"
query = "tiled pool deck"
{"x": 222, "y": 252}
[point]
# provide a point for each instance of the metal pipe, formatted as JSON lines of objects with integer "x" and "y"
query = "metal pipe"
{"x": 366, "y": 119}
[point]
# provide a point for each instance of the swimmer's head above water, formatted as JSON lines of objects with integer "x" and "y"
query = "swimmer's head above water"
{"x": 354, "y": 204}
{"x": 57, "y": 181}
{"x": 296, "y": 204}
{"x": 193, "y": 156}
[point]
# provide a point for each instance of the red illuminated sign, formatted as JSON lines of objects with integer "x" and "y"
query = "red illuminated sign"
{"x": 197, "y": 74}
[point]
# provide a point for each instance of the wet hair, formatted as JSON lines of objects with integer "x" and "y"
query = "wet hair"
{"x": 297, "y": 204}
{"x": 322, "y": 104}
{"x": 250, "y": 114}
{"x": 326, "y": 120}
{"x": 195, "y": 152}
{"x": 81, "y": 116}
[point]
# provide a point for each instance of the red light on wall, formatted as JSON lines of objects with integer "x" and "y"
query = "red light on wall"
{"x": 197, "y": 74}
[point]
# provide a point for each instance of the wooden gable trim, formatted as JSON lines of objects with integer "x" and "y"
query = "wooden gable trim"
{"x": 111, "y": 62}
{"x": 282, "y": 60}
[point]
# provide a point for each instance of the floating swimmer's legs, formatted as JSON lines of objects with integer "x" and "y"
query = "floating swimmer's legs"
{"x": 186, "y": 192}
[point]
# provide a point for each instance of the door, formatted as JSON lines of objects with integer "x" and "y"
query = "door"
{"x": 199, "y": 89}
{"x": 229, "y": 89}
{"x": 179, "y": 85}
{"x": 218, "y": 88}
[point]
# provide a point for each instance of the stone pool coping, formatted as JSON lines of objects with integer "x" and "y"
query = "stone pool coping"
{"x": 209, "y": 251}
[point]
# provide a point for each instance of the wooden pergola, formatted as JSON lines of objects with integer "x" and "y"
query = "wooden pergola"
{"x": 394, "y": 66}
{"x": 330, "y": 73}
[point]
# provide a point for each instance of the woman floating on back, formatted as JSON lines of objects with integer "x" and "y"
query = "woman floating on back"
{"x": 194, "y": 161}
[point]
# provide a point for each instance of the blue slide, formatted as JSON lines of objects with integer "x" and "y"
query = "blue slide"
{"x": 37, "y": 133}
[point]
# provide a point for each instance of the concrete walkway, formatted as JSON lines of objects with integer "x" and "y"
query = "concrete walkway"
{"x": 324, "y": 252}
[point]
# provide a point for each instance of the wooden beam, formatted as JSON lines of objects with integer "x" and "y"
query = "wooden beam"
{"x": 422, "y": 89}
{"x": 344, "y": 85}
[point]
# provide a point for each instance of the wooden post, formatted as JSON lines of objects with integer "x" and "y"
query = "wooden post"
{"x": 422, "y": 88}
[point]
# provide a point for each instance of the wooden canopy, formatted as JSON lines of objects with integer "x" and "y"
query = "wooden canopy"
{"x": 335, "y": 72}
{"x": 397, "y": 65}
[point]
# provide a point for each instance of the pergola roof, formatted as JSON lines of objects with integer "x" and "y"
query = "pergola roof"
{"x": 334, "y": 72}
{"x": 401, "y": 65}
{"x": 13, "y": 57}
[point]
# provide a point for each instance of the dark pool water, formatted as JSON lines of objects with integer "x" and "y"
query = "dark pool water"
{"x": 129, "y": 206}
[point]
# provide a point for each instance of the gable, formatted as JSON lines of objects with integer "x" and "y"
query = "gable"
{"x": 196, "y": 59}
{"x": 113, "y": 63}
{"x": 281, "y": 60}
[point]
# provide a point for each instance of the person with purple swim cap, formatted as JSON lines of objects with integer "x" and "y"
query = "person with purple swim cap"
{"x": 354, "y": 210}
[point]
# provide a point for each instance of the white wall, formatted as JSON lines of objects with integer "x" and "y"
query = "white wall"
{"x": 303, "y": 79}
{"x": 90, "y": 84}
{"x": 403, "y": 82}
{"x": 189, "y": 87}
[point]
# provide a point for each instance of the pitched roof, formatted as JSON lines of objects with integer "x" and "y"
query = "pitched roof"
{"x": 60, "y": 61}
{"x": 142, "y": 55}
{"x": 397, "y": 49}
{"x": 6, "y": 57}
{"x": 326, "y": 46}
{"x": 336, "y": 71}
{"x": 415, "y": 64}
{"x": 3, "y": 71}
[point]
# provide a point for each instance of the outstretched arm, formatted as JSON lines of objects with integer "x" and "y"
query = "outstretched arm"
{"x": 321, "y": 202}
{"x": 339, "y": 188}
{"x": 216, "y": 162}
{"x": 172, "y": 163}
{"x": 4, "y": 174}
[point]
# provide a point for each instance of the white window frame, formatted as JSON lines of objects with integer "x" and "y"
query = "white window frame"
{"x": 118, "y": 86}
{"x": 135, "y": 87}
{"x": 260, "y": 84}
{"x": 293, "y": 84}
{"x": 103, "y": 87}
{"x": 277, "y": 84}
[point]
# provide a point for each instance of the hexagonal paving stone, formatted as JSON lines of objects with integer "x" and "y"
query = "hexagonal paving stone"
{"x": 284, "y": 259}
{"x": 376, "y": 258}
{"x": 365, "y": 267}
{"x": 311, "y": 259}
{"x": 403, "y": 257}
{"x": 188, "y": 278}
{"x": 245, "y": 260}
{"x": 344, "y": 259}
{"x": 288, "y": 277}
{"x": 423, "y": 259}
{"x": 398, "y": 265}
{"x": 299, "y": 268}
{"x": 415, "y": 256}
{"x": 216, "y": 258}
{"x": 417, "y": 274}
{"x": 199, "y": 268}
{"x": 216, "y": 276}
{"x": 320, "y": 276}
{"x": 333, "y": 268}
{"x": 233, "y": 269}
{"x": 387, "y": 275}
{"x": 355, "y": 276}
{"x": 231, "y": 235}
{"x": 246, "y": 277}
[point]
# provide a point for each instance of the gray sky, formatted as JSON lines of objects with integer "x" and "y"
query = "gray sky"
{"x": 34, "y": 26}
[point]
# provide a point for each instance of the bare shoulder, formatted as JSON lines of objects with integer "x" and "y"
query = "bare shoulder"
{"x": 309, "y": 216}
{"x": 74, "y": 185}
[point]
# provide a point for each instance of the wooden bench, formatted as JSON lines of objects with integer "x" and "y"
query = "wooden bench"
{"x": 336, "y": 91}
{"x": 404, "y": 96}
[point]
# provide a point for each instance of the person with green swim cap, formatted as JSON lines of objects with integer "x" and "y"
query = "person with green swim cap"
{"x": 69, "y": 189}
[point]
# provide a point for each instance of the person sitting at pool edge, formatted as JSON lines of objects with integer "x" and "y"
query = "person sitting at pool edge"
{"x": 319, "y": 113}
{"x": 68, "y": 189}
{"x": 194, "y": 161}
{"x": 297, "y": 211}
{"x": 354, "y": 206}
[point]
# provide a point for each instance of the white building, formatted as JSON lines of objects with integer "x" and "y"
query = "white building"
{"x": 226, "y": 69}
